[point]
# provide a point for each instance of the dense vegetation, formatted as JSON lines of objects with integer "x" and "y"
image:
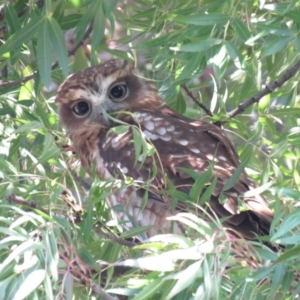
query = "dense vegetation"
{"x": 58, "y": 238}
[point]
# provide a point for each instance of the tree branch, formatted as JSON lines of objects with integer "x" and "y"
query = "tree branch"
{"x": 97, "y": 289}
{"x": 115, "y": 238}
{"x": 3, "y": 28}
{"x": 21, "y": 201}
{"x": 267, "y": 90}
{"x": 54, "y": 65}
{"x": 195, "y": 100}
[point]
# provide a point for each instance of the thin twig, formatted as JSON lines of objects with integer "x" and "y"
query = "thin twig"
{"x": 202, "y": 106}
{"x": 97, "y": 289}
{"x": 21, "y": 201}
{"x": 87, "y": 186}
{"x": 54, "y": 65}
{"x": 267, "y": 90}
{"x": 3, "y": 28}
{"x": 116, "y": 239}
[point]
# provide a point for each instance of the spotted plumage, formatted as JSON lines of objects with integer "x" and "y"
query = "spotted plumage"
{"x": 94, "y": 102}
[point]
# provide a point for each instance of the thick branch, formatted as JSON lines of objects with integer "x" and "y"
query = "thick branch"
{"x": 54, "y": 65}
{"x": 267, "y": 90}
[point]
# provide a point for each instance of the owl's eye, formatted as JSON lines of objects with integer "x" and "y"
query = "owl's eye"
{"x": 81, "y": 108}
{"x": 117, "y": 92}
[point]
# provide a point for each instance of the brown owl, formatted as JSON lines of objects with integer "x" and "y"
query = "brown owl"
{"x": 105, "y": 108}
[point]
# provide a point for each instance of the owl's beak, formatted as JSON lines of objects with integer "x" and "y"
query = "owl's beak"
{"x": 99, "y": 115}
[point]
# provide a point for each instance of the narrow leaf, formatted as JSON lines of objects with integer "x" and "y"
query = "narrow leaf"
{"x": 98, "y": 28}
{"x": 237, "y": 172}
{"x": 44, "y": 53}
{"x": 241, "y": 29}
{"x": 203, "y": 19}
{"x": 12, "y": 19}
{"x": 276, "y": 46}
{"x": 199, "y": 46}
{"x": 59, "y": 45}
{"x": 185, "y": 278}
{"x": 289, "y": 223}
{"x": 31, "y": 282}
{"x": 21, "y": 36}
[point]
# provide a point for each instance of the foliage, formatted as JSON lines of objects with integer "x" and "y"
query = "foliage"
{"x": 63, "y": 241}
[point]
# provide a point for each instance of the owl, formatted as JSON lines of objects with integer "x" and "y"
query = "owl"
{"x": 118, "y": 123}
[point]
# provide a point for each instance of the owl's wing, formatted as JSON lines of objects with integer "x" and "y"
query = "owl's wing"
{"x": 181, "y": 144}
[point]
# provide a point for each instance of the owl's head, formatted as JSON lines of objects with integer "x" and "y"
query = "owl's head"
{"x": 87, "y": 97}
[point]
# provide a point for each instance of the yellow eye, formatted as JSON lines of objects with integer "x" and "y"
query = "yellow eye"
{"x": 81, "y": 108}
{"x": 117, "y": 92}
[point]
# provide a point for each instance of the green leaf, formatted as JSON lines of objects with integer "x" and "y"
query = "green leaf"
{"x": 50, "y": 149}
{"x": 135, "y": 231}
{"x": 185, "y": 278}
{"x": 22, "y": 36}
{"x": 235, "y": 55}
{"x": 30, "y": 283}
{"x": 161, "y": 263}
{"x": 286, "y": 192}
{"x": 277, "y": 279}
{"x": 241, "y": 29}
{"x": 259, "y": 190}
{"x": 279, "y": 149}
{"x": 209, "y": 191}
{"x": 202, "y": 45}
{"x": 59, "y": 45}
{"x": 288, "y": 255}
{"x": 289, "y": 223}
{"x": 70, "y": 21}
{"x": 199, "y": 184}
{"x": 44, "y": 53}
{"x": 12, "y": 19}
{"x": 29, "y": 126}
{"x": 193, "y": 65}
{"x": 28, "y": 245}
{"x": 275, "y": 46}
{"x": 98, "y": 28}
{"x": 180, "y": 105}
{"x": 292, "y": 111}
{"x": 203, "y": 19}
{"x": 58, "y": 13}
{"x": 150, "y": 289}
{"x": 237, "y": 172}
{"x": 86, "y": 19}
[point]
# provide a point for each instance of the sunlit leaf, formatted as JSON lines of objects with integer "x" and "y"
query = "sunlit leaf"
{"x": 30, "y": 283}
